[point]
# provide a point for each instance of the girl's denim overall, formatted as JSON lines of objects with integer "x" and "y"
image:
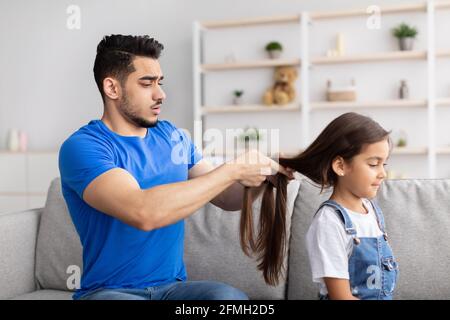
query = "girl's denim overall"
{"x": 372, "y": 267}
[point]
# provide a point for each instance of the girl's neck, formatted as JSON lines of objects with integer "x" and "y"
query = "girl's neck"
{"x": 348, "y": 200}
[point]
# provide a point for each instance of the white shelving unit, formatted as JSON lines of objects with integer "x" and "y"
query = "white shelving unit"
{"x": 26, "y": 177}
{"x": 305, "y": 106}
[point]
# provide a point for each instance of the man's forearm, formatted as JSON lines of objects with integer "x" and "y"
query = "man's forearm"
{"x": 166, "y": 204}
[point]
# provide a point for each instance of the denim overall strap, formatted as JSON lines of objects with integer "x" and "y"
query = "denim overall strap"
{"x": 348, "y": 225}
{"x": 380, "y": 218}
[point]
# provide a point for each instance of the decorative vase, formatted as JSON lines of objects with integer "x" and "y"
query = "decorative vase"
{"x": 23, "y": 141}
{"x": 406, "y": 43}
{"x": 340, "y": 47}
{"x": 274, "y": 54}
{"x": 404, "y": 90}
{"x": 237, "y": 101}
{"x": 13, "y": 140}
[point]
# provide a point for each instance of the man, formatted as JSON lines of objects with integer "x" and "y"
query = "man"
{"x": 130, "y": 179}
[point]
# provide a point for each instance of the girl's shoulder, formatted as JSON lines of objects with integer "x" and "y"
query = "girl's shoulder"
{"x": 327, "y": 214}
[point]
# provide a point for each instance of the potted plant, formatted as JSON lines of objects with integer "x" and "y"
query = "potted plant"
{"x": 250, "y": 134}
{"x": 402, "y": 140}
{"x": 237, "y": 99}
{"x": 274, "y": 49}
{"x": 405, "y": 35}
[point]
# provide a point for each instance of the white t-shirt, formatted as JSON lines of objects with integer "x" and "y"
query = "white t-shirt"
{"x": 330, "y": 247}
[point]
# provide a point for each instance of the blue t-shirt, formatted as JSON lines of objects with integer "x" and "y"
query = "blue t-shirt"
{"x": 117, "y": 255}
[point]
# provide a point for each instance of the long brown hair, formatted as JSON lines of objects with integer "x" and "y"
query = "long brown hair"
{"x": 345, "y": 136}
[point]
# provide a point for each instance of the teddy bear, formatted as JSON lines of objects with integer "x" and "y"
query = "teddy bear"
{"x": 283, "y": 90}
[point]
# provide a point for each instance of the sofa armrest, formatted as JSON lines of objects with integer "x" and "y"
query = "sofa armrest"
{"x": 18, "y": 235}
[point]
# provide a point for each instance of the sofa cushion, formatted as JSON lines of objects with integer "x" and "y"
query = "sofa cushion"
{"x": 300, "y": 284}
{"x": 417, "y": 215}
{"x": 213, "y": 252}
{"x": 59, "y": 250}
{"x": 46, "y": 295}
{"x": 418, "y": 222}
{"x": 17, "y": 252}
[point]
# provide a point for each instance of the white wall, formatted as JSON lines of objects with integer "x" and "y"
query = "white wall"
{"x": 46, "y": 81}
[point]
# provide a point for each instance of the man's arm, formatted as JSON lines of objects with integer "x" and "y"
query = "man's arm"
{"x": 118, "y": 194}
{"x": 230, "y": 199}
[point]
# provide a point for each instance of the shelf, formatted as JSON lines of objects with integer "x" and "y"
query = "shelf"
{"x": 292, "y": 152}
{"x": 319, "y": 15}
{"x": 371, "y": 57}
{"x": 285, "y": 153}
{"x": 250, "y": 22}
{"x": 421, "y": 7}
{"x": 442, "y": 5}
{"x": 7, "y": 152}
{"x": 249, "y": 108}
{"x": 410, "y": 151}
{"x": 443, "y": 53}
{"x": 369, "y": 104}
{"x": 22, "y": 194}
{"x": 442, "y": 102}
{"x": 443, "y": 150}
{"x": 250, "y": 64}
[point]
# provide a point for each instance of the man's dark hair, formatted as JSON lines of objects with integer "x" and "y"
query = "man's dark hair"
{"x": 115, "y": 55}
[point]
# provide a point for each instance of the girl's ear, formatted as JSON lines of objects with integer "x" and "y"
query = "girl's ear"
{"x": 338, "y": 166}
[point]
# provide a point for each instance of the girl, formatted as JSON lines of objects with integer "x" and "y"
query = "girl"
{"x": 347, "y": 243}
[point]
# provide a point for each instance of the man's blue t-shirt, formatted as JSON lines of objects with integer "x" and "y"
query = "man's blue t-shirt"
{"x": 117, "y": 255}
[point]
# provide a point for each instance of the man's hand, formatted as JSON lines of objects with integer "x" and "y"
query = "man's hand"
{"x": 254, "y": 167}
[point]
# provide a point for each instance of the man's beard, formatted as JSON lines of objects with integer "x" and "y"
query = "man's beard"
{"x": 131, "y": 115}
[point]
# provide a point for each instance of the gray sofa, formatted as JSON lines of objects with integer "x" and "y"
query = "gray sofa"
{"x": 40, "y": 249}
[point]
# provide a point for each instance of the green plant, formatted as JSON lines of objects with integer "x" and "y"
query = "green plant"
{"x": 250, "y": 134}
{"x": 274, "y": 45}
{"x": 401, "y": 142}
{"x": 404, "y": 31}
{"x": 238, "y": 93}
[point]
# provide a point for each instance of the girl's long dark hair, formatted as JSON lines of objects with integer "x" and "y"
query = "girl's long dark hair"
{"x": 345, "y": 136}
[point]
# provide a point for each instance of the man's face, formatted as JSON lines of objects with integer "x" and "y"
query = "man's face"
{"x": 142, "y": 94}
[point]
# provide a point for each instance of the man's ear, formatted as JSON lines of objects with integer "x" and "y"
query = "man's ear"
{"x": 111, "y": 88}
{"x": 338, "y": 166}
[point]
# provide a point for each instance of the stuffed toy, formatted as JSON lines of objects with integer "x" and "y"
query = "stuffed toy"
{"x": 283, "y": 90}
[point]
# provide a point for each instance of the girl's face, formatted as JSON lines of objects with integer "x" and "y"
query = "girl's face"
{"x": 363, "y": 175}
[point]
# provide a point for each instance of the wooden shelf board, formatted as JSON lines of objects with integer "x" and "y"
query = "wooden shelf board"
{"x": 369, "y": 104}
{"x": 7, "y": 152}
{"x": 442, "y": 53}
{"x": 368, "y": 57}
{"x": 410, "y": 151}
{"x": 250, "y": 64}
{"x": 442, "y": 102}
{"x": 250, "y": 22}
{"x": 285, "y": 153}
{"x": 420, "y": 7}
{"x": 320, "y": 15}
{"x": 443, "y": 150}
{"x": 21, "y": 194}
{"x": 249, "y": 108}
{"x": 442, "y": 5}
